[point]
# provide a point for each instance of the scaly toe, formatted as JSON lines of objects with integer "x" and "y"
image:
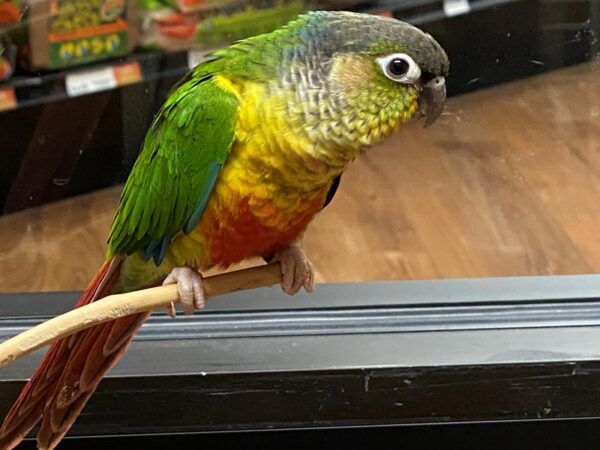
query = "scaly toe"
{"x": 309, "y": 282}
{"x": 189, "y": 286}
{"x": 297, "y": 271}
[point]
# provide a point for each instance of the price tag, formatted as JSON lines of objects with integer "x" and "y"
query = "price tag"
{"x": 456, "y": 7}
{"x": 8, "y": 99}
{"x": 91, "y": 81}
{"x": 128, "y": 73}
{"x": 195, "y": 57}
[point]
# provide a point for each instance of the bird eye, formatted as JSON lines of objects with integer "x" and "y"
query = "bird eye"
{"x": 400, "y": 67}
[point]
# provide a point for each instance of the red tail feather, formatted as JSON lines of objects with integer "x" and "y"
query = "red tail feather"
{"x": 70, "y": 371}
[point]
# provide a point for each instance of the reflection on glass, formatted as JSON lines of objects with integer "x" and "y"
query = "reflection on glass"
{"x": 504, "y": 183}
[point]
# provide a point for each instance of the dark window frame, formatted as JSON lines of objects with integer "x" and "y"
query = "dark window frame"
{"x": 363, "y": 354}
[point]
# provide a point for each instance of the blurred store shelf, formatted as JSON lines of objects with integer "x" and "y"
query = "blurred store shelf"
{"x": 31, "y": 90}
{"x": 44, "y": 88}
{"x": 85, "y": 124}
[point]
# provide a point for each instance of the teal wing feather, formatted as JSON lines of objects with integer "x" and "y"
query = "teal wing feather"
{"x": 174, "y": 175}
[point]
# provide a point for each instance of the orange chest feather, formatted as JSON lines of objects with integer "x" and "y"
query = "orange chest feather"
{"x": 246, "y": 227}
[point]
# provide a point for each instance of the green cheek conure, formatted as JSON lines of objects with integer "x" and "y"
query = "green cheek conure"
{"x": 245, "y": 151}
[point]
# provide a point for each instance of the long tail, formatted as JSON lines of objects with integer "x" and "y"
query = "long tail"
{"x": 70, "y": 371}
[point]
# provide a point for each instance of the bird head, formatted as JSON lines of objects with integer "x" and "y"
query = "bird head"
{"x": 357, "y": 77}
{"x": 343, "y": 79}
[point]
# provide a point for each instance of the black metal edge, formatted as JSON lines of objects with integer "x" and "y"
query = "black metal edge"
{"x": 580, "y": 433}
{"x": 226, "y": 382}
{"x": 337, "y": 398}
{"x": 176, "y": 357}
{"x": 500, "y": 290}
{"x": 356, "y": 320}
{"x": 387, "y": 324}
{"x": 469, "y": 321}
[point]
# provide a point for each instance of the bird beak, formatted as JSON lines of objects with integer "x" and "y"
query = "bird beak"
{"x": 433, "y": 98}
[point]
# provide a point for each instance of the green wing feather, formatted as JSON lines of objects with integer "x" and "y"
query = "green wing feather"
{"x": 177, "y": 168}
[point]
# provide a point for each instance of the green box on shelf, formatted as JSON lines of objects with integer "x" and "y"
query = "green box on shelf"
{"x": 223, "y": 28}
{"x": 64, "y": 33}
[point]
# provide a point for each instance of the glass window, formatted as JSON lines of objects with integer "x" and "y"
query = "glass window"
{"x": 503, "y": 184}
{"x": 414, "y": 246}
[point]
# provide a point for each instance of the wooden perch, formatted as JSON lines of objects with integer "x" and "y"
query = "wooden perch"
{"x": 121, "y": 305}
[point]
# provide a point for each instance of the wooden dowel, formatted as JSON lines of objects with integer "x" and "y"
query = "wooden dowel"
{"x": 121, "y": 305}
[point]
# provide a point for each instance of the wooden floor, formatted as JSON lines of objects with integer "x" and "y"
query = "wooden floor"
{"x": 506, "y": 183}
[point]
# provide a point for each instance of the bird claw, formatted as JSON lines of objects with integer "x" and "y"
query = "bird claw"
{"x": 190, "y": 287}
{"x": 296, "y": 270}
{"x": 171, "y": 311}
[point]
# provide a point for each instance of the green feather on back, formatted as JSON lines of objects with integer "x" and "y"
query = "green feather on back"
{"x": 177, "y": 168}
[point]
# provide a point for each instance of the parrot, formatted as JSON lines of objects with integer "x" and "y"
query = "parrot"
{"x": 247, "y": 148}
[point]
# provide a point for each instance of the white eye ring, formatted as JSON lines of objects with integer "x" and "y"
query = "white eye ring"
{"x": 400, "y": 67}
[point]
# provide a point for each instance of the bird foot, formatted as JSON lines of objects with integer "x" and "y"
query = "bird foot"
{"x": 296, "y": 270}
{"x": 190, "y": 287}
